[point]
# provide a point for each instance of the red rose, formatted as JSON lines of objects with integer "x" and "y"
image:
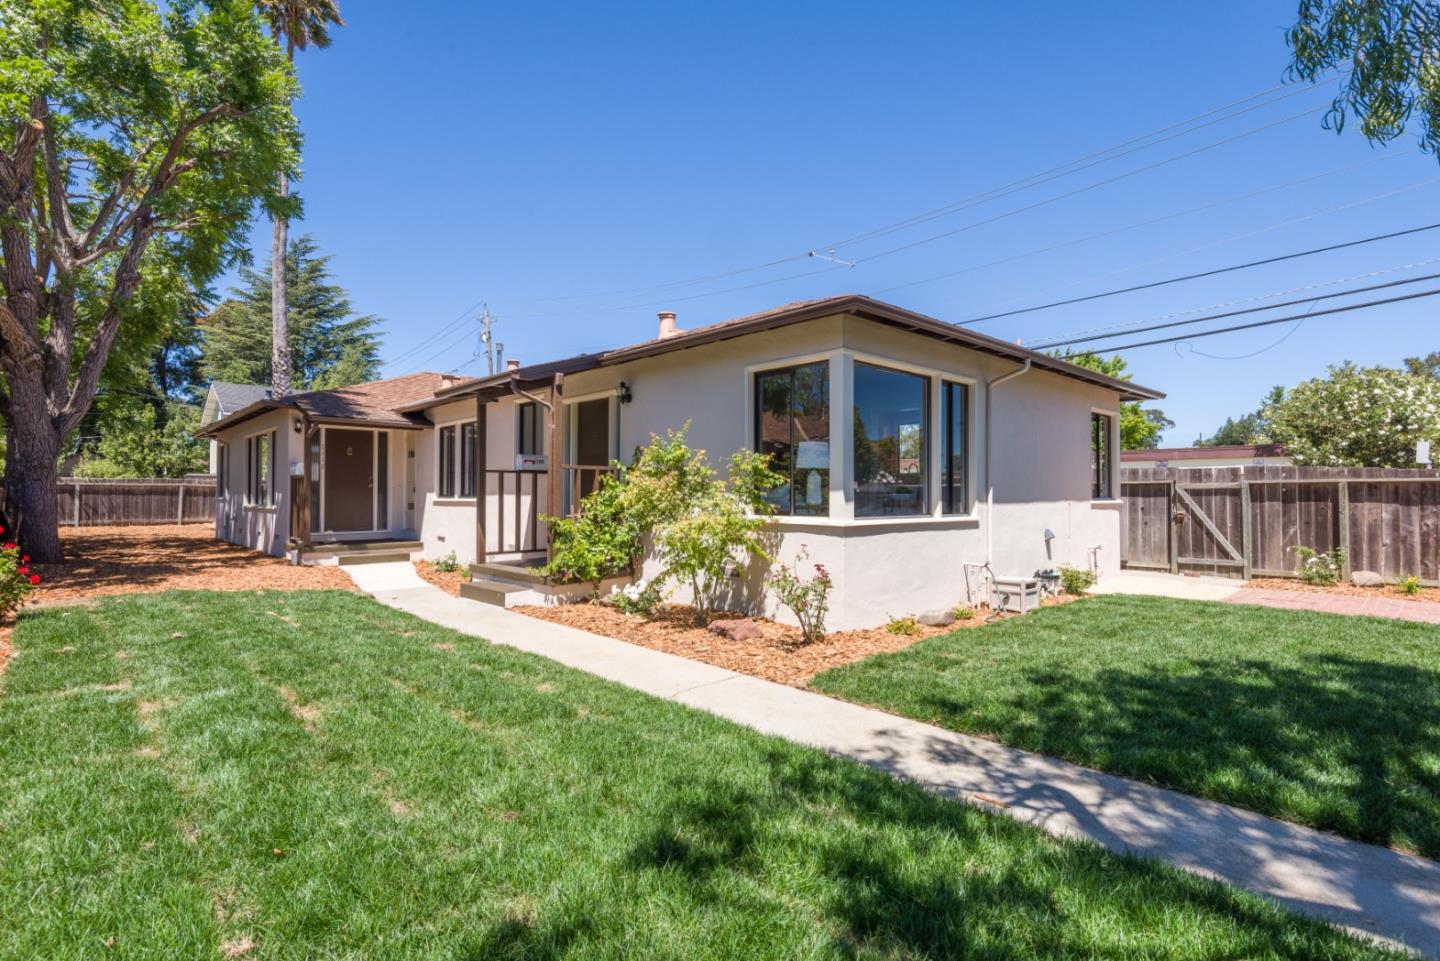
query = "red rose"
{"x": 9, "y": 545}
{"x": 35, "y": 580}
{"x": 22, "y": 569}
{"x": 24, "y": 558}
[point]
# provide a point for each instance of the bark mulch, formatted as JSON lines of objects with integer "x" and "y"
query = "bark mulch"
{"x": 447, "y": 581}
{"x": 145, "y": 559}
{"x": 778, "y": 654}
{"x": 1431, "y": 594}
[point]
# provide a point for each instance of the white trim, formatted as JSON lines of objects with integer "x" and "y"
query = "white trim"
{"x": 1114, "y": 415}
{"x": 375, "y": 487}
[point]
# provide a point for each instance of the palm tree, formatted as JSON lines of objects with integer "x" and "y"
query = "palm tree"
{"x": 296, "y": 25}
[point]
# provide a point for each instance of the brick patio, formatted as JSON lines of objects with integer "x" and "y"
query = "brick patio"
{"x": 1422, "y": 611}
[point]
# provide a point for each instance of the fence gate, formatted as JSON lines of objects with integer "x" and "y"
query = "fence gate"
{"x": 1244, "y": 521}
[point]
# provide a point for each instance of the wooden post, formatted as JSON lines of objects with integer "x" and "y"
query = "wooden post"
{"x": 180, "y": 507}
{"x": 1174, "y": 533}
{"x": 1343, "y": 534}
{"x": 77, "y": 503}
{"x": 1247, "y": 552}
{"x": 554, "y": 461}
{"x": 480, "y": 480}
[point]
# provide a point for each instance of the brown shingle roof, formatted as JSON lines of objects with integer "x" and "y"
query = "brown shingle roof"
{"x": 376, "y": 403}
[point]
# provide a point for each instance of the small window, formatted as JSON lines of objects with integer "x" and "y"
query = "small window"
{"x": 890, "y": 443}
{"x": 258, "y": 487}
{"x": 467, "y": 459}
{"x": 382, "y": 482}
{"x": 1102, "y": 456}
{"x": 792, "y": 425}
{"x": 447, "y": 461}
{"x": 528, "y": 429}
{"x": 222, "y": 468}
{"x": 955, "y": 460}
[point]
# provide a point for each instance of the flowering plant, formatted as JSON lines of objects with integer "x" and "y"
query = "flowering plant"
{"x": 808, "y": 600}
{"x": 16, "y": 577}
{"x": 641, "y": 597}
{"x": 1320, "y": 569}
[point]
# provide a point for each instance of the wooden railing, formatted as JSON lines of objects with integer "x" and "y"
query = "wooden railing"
{"x": 514, "y": 526}
{"x": 582, "y": 479}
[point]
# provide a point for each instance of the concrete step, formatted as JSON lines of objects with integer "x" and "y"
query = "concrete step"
{"x": 510, "y": 573}
{"x": 498, "y": 593}
{"x": 372, "y": 557}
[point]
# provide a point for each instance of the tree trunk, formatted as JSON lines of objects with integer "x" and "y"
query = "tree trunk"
{"x": 31, "y": 477}
{"x": 279, "y": 316}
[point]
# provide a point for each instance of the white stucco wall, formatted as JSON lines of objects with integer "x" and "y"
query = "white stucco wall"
{"x": 258, "y": 527}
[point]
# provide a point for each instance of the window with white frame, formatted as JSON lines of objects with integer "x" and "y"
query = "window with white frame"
{"x": 792, "y": 426}
{"x": 446, "y": 466}
{"x": 1102, "y": 456}
{"x": 954, "y": 447}
{"x": 259, "y": 473}
{"x": 528, "y": 428}
{"x": 890, "y": 444}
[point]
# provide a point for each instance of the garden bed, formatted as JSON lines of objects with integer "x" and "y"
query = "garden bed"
{"x": 447, "y": 581}
{"x": 778, "y": 654}
{"x": 1431, "y": 594}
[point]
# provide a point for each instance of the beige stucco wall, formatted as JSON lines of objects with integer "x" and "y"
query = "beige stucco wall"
{"x": 260, "y": 528}
{"x": 882, "y": 567}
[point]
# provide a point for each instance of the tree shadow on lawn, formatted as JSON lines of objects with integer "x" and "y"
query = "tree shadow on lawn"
{"x": 896, "y": 871}
{"x": 1337, "y": 743}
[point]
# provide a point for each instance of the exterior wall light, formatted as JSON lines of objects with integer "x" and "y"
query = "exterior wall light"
{"x": 624, "y": 391}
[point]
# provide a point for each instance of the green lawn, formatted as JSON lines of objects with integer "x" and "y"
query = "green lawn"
{"x": 312, "y": 775}
{"x": 1325, "y": 720}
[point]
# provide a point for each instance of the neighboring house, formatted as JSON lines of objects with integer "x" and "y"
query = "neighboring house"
{"x": 915, "y": 452}
{"x": 1236, "y": 455}
{"x": 222, "y": 400}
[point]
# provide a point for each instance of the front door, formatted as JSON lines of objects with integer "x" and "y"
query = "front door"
{"x": 592, "y": 442}
{"x": 348, "y": 477}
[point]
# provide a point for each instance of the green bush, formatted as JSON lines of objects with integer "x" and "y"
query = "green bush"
{"x": 1409, "y": 584}
{"x": 640, "y": 598}
{"x": 963, "y": 613}
{"x": 1076, "y": 580}
{"x": 808, "y": 600}
{"x": 16, "y": 577}
{"x": 448, "y": 564}
{"x": 906, "y": 626}
{"x": 1320, "y": 568}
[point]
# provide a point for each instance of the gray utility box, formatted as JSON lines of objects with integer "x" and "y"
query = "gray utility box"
{"x": 1017, "y": 594}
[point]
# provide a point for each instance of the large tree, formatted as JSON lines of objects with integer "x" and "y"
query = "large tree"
{"x": 330, "y": 346}
{"x": 134, "y": 146}
{"x": 1357, "y": 417}
{"x": 1427, "y": 366}
{"x": 295, "y": 25}
{"x": 1251, "y": 428}
{"x": 1141, "y": 428}
{"x": 1391, "y": 49}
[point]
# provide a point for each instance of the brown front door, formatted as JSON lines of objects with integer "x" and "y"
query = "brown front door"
{"x": 349, "y": 480}
{"x": 592, "y": 441}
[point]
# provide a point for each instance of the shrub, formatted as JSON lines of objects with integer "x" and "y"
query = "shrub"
{"x": 1409, "y": 584}
{"x": 1321, "y": 569}
{"x": 808, "y": 600}
{"x": 601, "y": 541}
{"x": 906, "y": 626}
{"x": 963, "y": 613}
{"x": 448, "y": 564}
{"x": 1076, "y": 580}
{"x": 16, "y": 577}
{"x": 641, "y": 597}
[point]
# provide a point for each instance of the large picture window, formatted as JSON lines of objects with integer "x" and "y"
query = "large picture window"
{"x": 792, "y": 425}
{"x": 528, "y": 430}
{"x": 1102, "y": 456}
{"x": 259, "y": 486}
{"x": 954, "y": 454}
{"x": 446, "y": 466}
{"x": 890, "y": 442}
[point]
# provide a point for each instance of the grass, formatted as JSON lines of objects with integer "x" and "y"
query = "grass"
{"x": 311, "y": 775}
{"x": 1324, "y": 720}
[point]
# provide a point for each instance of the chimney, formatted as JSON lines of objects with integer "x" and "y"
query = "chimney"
{"x": 512, "y": 364}
{"x": 667, "y": 325}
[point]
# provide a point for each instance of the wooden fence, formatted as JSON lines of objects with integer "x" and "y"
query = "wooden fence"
{"x": 1247, "y": 521}
{"x": 86, "y": 501}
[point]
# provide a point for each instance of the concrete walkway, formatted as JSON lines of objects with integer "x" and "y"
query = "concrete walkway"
{"x": 1158, "y": 584}
{"x": 1366, "y": 888}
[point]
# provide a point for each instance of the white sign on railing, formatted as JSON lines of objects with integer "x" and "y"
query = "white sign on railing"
{"x": 532, "y": 462}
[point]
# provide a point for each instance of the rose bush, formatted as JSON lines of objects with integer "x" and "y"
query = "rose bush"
{"x": 16, "y": 577}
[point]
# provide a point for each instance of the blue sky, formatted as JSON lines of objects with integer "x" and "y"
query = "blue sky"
{"x": 539, "y": 157}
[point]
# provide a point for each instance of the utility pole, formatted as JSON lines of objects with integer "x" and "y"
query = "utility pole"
{"x": 487, "y": 340}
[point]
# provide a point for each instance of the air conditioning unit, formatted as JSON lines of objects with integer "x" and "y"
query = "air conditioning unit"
{"x": 1019, "y": 595}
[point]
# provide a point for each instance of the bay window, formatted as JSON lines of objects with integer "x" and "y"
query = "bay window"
{"x": 890, "y": 446}
{"x": 792, "y": 426}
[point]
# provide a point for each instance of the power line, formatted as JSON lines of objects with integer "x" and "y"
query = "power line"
{"x": 463, "y": 316}
{"x": 1237, "y": 313}
{"x": 1204, "y": 273}
{"x": 1278, "y": 320}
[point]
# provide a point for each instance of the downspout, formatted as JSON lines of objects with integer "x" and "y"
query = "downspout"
{"x": 990, "y": 386}
{"x": 516, "y": 390}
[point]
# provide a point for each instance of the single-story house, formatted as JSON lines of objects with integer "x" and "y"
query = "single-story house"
{"x": 223, "y": 399}
{"x": 1226, "y": 455}
{"x": 915, "y": 453}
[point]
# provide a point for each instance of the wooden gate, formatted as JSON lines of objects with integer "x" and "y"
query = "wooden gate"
{"x": 1244, "y": 521}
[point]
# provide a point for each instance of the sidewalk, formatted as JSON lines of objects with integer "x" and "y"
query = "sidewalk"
{"x": 1366, "y": 888}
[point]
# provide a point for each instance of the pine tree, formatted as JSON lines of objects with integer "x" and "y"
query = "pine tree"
{"x": 329, "y": 345}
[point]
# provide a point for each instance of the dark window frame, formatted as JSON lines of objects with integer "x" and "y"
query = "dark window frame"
{"x": 445, "y": 460}
{"x": 757, "y": 387}
{"x": 467, "y": 459}
{"x": 1102, "y": 455}
{"x": 529, "y": 437}
{"x": 926, "y": 444}
{"x": 260, "y": 484}
{"x": 954, "y": 492}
